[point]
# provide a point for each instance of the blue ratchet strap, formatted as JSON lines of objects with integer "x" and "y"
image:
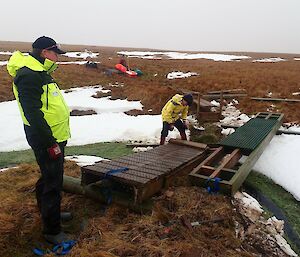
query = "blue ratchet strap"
{"x": 60, "y": 249}
{"x": 107, "y": 192}
{"x": 64, "y": 247}
{"x": 40, "y": 252}
{"x": 216, "y": 186}
{"x": 115, "y": 171}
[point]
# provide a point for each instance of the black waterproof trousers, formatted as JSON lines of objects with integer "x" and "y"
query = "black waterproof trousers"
{"x": 49, "y": 185}
{"x": 166, "y": 127}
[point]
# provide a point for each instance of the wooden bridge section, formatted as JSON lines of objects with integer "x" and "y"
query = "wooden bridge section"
{"x": 146, "y": 173}
{"x": 221, "y": 168}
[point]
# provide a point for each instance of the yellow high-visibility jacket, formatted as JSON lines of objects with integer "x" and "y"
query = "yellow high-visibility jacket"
{"x": 42, "y": 106}
{"x": 174, "y": 110}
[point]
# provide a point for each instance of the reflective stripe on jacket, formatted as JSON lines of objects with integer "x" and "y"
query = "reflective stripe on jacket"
{"x": 174, "y": 110}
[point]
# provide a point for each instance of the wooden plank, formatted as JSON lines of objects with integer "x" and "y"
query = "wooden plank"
{"x": 171, "y": 156}
{"x": 225, "y": 96}
{"x": 138, "y": 167}
{"x": 184, "y": 169}
{"x": 158, "y": 163}
{"x": 141, "y": 145}
{"x": 188, "y": 143}
{"x": 104, "y": 168}
{"x": 202, "y": 181}
{"x": 228, "y": 162}
{"x": 180, "y": 155}
{"x": 227, "y": 91}
{"x": 123, "y": 177}
{"x": 209, "y": 116}
{"x": 142, "y": 166}
{"x": 208, "y": 160}
{"x": 275, "y": 99}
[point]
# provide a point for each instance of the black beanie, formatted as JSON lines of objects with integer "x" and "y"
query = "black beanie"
{"x": 189, "y": 99}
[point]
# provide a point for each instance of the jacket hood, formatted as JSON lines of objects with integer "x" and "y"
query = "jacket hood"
{"x": 18, "y": 60}
{"x": 177, "y": 99}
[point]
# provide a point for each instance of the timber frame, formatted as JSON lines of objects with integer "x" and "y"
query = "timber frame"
{"x": 223, "y": 162}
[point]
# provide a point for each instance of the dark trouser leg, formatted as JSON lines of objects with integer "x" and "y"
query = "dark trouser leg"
{"x": 48, "y": 188}
{"x": 164, "y": 132}
{"x": 181, "y": 128}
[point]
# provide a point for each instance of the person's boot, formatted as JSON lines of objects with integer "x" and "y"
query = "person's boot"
{"x": 183, "y": 136}
{"x": 56, "y": 239}
{"x": 162, "y": 140}
{"x": 66, "y": 216}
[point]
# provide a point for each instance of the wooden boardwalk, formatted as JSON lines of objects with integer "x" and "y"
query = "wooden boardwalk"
{"x": 146, "y": 173}
{"x": 221, "y": 168}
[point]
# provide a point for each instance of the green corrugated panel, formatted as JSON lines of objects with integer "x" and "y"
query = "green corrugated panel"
{"x": 250, "y": 135}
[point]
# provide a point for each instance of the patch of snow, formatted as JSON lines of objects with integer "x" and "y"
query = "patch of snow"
{"x": 2, "y": 63}
{"x": 6, "y": 53}
{"x": 84, "y": 55}
{"x": 272, "y": 59}
{"x": 179, "y": 75}
{"x": 215, "y": 103}
{"x": 250, "y": 207}
{"x": 227, "y": 131}
{"x": 183, "y": 56}
{"x": 141, "y": 149}
{"x": 76, "y": 62}
{"x": 233, "y": 116}
{"x": 83, "y": 160}
{"x": 6, "y": 169}
{"x": 283, "y": 244}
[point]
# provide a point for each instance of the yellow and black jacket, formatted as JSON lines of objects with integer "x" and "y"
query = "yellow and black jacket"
{"x": 174, "y": 110}
{"x": 42, "y": 106}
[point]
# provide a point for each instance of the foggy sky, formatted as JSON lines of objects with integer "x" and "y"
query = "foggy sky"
{"x": 191, "y": 25}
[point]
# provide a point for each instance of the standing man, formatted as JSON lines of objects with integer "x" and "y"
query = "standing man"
{"x": 174, "y": 114}
{"x": 46, "y": 124}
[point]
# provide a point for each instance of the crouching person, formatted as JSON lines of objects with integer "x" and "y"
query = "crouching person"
{"x": 174, "y": 114}
{"x": 46, "y": 123}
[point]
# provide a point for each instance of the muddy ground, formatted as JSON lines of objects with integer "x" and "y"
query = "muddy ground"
{"x": 281, "y": 79}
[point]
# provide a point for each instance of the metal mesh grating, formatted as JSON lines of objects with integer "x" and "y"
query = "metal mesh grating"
{"x": 250, "y": 135}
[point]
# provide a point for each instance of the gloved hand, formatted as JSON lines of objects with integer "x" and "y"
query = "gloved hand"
{"x": 54, "y": 151}
{"x": 171, "y": 127}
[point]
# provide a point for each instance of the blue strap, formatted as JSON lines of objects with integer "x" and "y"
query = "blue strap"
{"x": 60, "y": 249}
{"x": 40, "y": 252}
{"x": 216, "y": 185}
{"x": 64, "y": 247}
{"x": 107, "y": 192}
{"x": 115, "y": 171}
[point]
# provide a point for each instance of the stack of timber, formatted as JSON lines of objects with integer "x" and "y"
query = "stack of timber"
{"x": 141, "y": 175}
{"x": 222, "y": 169}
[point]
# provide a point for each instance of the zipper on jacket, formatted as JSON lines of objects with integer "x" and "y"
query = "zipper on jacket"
{"x": 47, "y": 97}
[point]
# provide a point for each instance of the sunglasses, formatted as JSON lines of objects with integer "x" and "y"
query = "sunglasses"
{"x": 53, "y": 46}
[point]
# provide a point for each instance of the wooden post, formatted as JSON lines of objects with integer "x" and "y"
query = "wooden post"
{"x": 198, "y": 105}
{"x": 221, "y": 104}
{"x": 94, "y": 191}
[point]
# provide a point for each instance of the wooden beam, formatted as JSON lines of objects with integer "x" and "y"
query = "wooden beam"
{"x": 228, "y": 162}
{"x": 94, "y": 191}
{"x": 225, "y": 96}
{"x": 188, "y": 143}
{"x": 208, "y": 160}
{"x": 227, "y": 91}
{"x": 274, "y": 99}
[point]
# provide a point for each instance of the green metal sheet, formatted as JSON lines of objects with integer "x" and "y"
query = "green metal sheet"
{"x": 250, "y": 135}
